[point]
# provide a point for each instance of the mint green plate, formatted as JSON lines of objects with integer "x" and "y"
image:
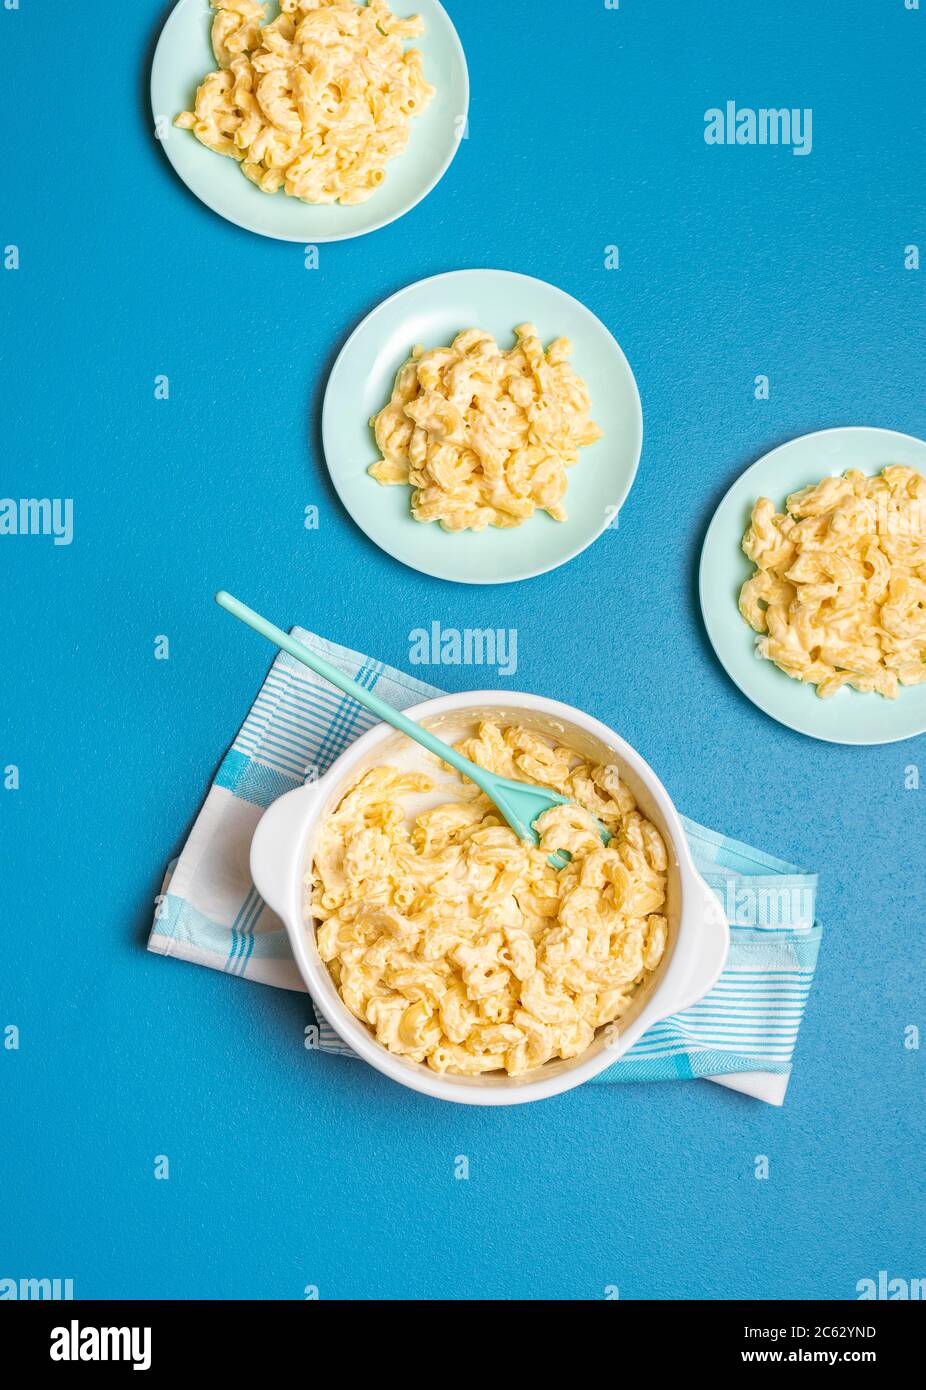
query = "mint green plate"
{"x": 432, "y": 312}
{"x": 848, "y": 716}
{"x": 184, "y": 55}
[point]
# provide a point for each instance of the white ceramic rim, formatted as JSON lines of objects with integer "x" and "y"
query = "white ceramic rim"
{"x": 278, "y": 855}
{"x": 314, "y": 239}
{"x": 532, "y": 572}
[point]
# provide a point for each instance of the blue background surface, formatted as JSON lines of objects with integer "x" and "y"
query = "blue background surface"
{"x": 289, "y": 1168}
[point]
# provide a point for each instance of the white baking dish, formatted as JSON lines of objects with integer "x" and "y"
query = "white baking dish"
{"x": 281, "y": 854}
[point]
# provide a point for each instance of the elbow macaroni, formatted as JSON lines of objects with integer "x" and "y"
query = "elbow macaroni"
{"x": 315, "y": 102}
{"x": 460, "y": 946}
{"x": 839, "y": 591}
{"x": 484, "y": 436}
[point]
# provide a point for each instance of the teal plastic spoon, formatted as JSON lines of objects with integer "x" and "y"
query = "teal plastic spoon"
{"x": 520, "y": 803}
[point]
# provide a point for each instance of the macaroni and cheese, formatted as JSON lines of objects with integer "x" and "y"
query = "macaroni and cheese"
{"x": 839, "y": 592}
{"x": 484, "y": 436}
{"x": 315, "y": 102}
{"x": 460, "y": 946}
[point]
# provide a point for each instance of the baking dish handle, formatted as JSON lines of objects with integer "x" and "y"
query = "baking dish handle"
{"x": 714, "y": 933}
{"x": 277, "y": 845}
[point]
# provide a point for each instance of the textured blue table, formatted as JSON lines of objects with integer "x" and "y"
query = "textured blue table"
{"x": 290, "y": 1169}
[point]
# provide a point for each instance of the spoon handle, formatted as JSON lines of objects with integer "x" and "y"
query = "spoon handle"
{"x": 372, "y": 702}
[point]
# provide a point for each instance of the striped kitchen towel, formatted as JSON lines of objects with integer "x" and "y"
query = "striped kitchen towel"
{"x": 742, "y": 1034}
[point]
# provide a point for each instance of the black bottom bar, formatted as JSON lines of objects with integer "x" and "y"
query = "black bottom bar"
{"x": 118, "y": 1337}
